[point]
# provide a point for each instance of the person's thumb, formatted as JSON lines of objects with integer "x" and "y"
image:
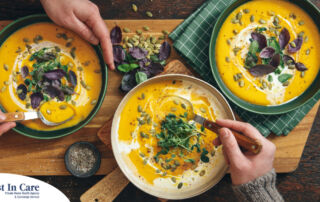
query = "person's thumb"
{"x": 231, "y": 146}
{"x": 2, "y": 117}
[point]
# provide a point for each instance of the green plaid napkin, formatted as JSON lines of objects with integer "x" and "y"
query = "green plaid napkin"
{"x": 191, "y": 40}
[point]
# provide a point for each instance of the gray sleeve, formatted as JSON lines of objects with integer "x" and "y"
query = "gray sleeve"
{"x": 262, "y": 189}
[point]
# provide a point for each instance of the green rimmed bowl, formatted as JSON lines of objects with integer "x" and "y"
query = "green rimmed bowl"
{"x": 309, "y": 8}
{"x": 23, "y": 130}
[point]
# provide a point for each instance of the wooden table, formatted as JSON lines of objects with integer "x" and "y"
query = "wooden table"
{"x": 303, "y": 184}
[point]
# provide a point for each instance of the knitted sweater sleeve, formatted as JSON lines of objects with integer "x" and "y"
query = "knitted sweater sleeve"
{"x": 262, "y": 189}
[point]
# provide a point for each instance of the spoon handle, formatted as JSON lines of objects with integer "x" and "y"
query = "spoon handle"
{"x": 245, "y": 142}
{"x": 14, "y": 116}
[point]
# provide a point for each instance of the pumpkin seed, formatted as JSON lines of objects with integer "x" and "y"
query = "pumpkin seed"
{"x": 134, "y": 7}
{"x": 271, "y": 13}
{"x": 264, "y": 84}
{"x": 48, "y": 111}
{"x": 236, "y": 50}
{"x": 129, "y": 45}
{"x": 165, "y": 32}
{"x": 164, "y": 173}
{"x": 302, "y": 74}
{"x": 183, "y": 106}
{"x": 293, "y": 44}
{"x": 19, "y": 91}
{"x": 306, "y": 39}
{"x": 180, "y": 185}
{"x": 173, "y": 179}
{"x": 4, "y": 88}
{"x": 239, "y": 15}
{"x": 83, "y": 84}
{"x": 149, "y": 14}
{"x": 144, "y": 135}
{"x": 285, "y": 83}
{"x": 139, "y": 108}
{"x": 126, "y": 30}
{"x": 74, "y": 103}
{"x": 278, "y": 27}
{"x": 173, "y": 109}
{"x": 139, "y": 32}
{"x": 229, "y": 42}
{"x": 235, "y": 31}
{"x": 63, "y": 107}
{"x": 72, "y": 52}
{"x": 301, "y": 34}
{"x": 213, "y": 152}
{"x": 301, "y": 22}
{"x": 93, "y": 102}
{"x": 291, "y": 66}
{"x": 5, "y": 67}
{"x": 6, "y": 83}
{"x": 68, "y": 44}
{"x": 97, "y": 71}
{"x": 227, "y": 59}
{"x": 28, "y": 105}
{"x": 293, "y": 16}
{"x": 308, "y": 51}
{"x": 246, "y": 10}
{"x": 202, "y": 173}
{"x": 269, "y": 86}
{"x": 142, "y": 154}
{"x": 158, "y": 171}
{"x": 241, "y": 83}
{"x": 161, "y": 37}
{"x": 234, "y": 20}
{"x": 252, "y": 18}
{"x": 235, "y": 77}
{"x": 203, "y": 110}
{"x": 176, "y": 102}
{"x": 146, "y": 28}
{"x": 142, "y": 96}
{"x": 80, "y": 68}
{"x": 262, "y": 21}
{"x": 141, "y": 121}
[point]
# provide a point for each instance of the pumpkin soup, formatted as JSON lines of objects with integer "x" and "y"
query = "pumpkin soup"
{"x": 159, "y": 142}
{"x": 267, "y": 51}
{"x": 43, "y": 64}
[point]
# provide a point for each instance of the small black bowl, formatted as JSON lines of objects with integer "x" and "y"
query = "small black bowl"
{"x": 95, "y": 167}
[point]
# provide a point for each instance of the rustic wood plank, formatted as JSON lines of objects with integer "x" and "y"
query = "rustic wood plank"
{"x": 22, "y": 155}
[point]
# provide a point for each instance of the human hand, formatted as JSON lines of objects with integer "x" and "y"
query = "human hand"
{"x": 245, "y": 167}
{"x": 4, "y": 127}
{"x": 82, "y": 17}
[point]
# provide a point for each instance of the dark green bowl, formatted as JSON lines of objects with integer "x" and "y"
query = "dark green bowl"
{"x": 309, "y": 8}
{"x": 25, "y": 21}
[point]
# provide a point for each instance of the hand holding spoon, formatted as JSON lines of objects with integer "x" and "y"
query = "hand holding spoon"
{"x": 245, "y": 142}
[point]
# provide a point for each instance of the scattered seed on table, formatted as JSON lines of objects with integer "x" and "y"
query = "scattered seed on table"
{"x": 126, "y": 30}
{"x": 149, "y": 14}
{"x": 134, "y": 7}
{"x": 165, "y": 32}
{"x": 146, "y": 28}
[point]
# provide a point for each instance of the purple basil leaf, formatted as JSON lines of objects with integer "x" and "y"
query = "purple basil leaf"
{"x": 261, "y": 70}
{"x": 24, "y": 71}
{"x": 128, "y": 81}
{"x": 36, "y": 99}
{"x": 138, "y": 53}
{"x": 284, "y": 38}
{"x": 23, "y": 94}
{"x": 165, "y": 51}
{"x": 116, "y": 35}
{"x": 260, "y": 38}
{"x": 298, "y": 43}
{"x": 72, "y": 78}
{"x": 118, "y": 54}
{"x": 54, "y": 74}
{"x": 154, "y": 69}
{"x": 301, "y": 67}
{"x": 287, "y": 58}
{"x": 52, "y": 91}
{"x": 61, "y": 96}
{"x": 275, "y": 60}
{"x": 267, "y": 52}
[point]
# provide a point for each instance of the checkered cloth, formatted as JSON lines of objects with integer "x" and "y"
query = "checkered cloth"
{"x": 191, "y": 40}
